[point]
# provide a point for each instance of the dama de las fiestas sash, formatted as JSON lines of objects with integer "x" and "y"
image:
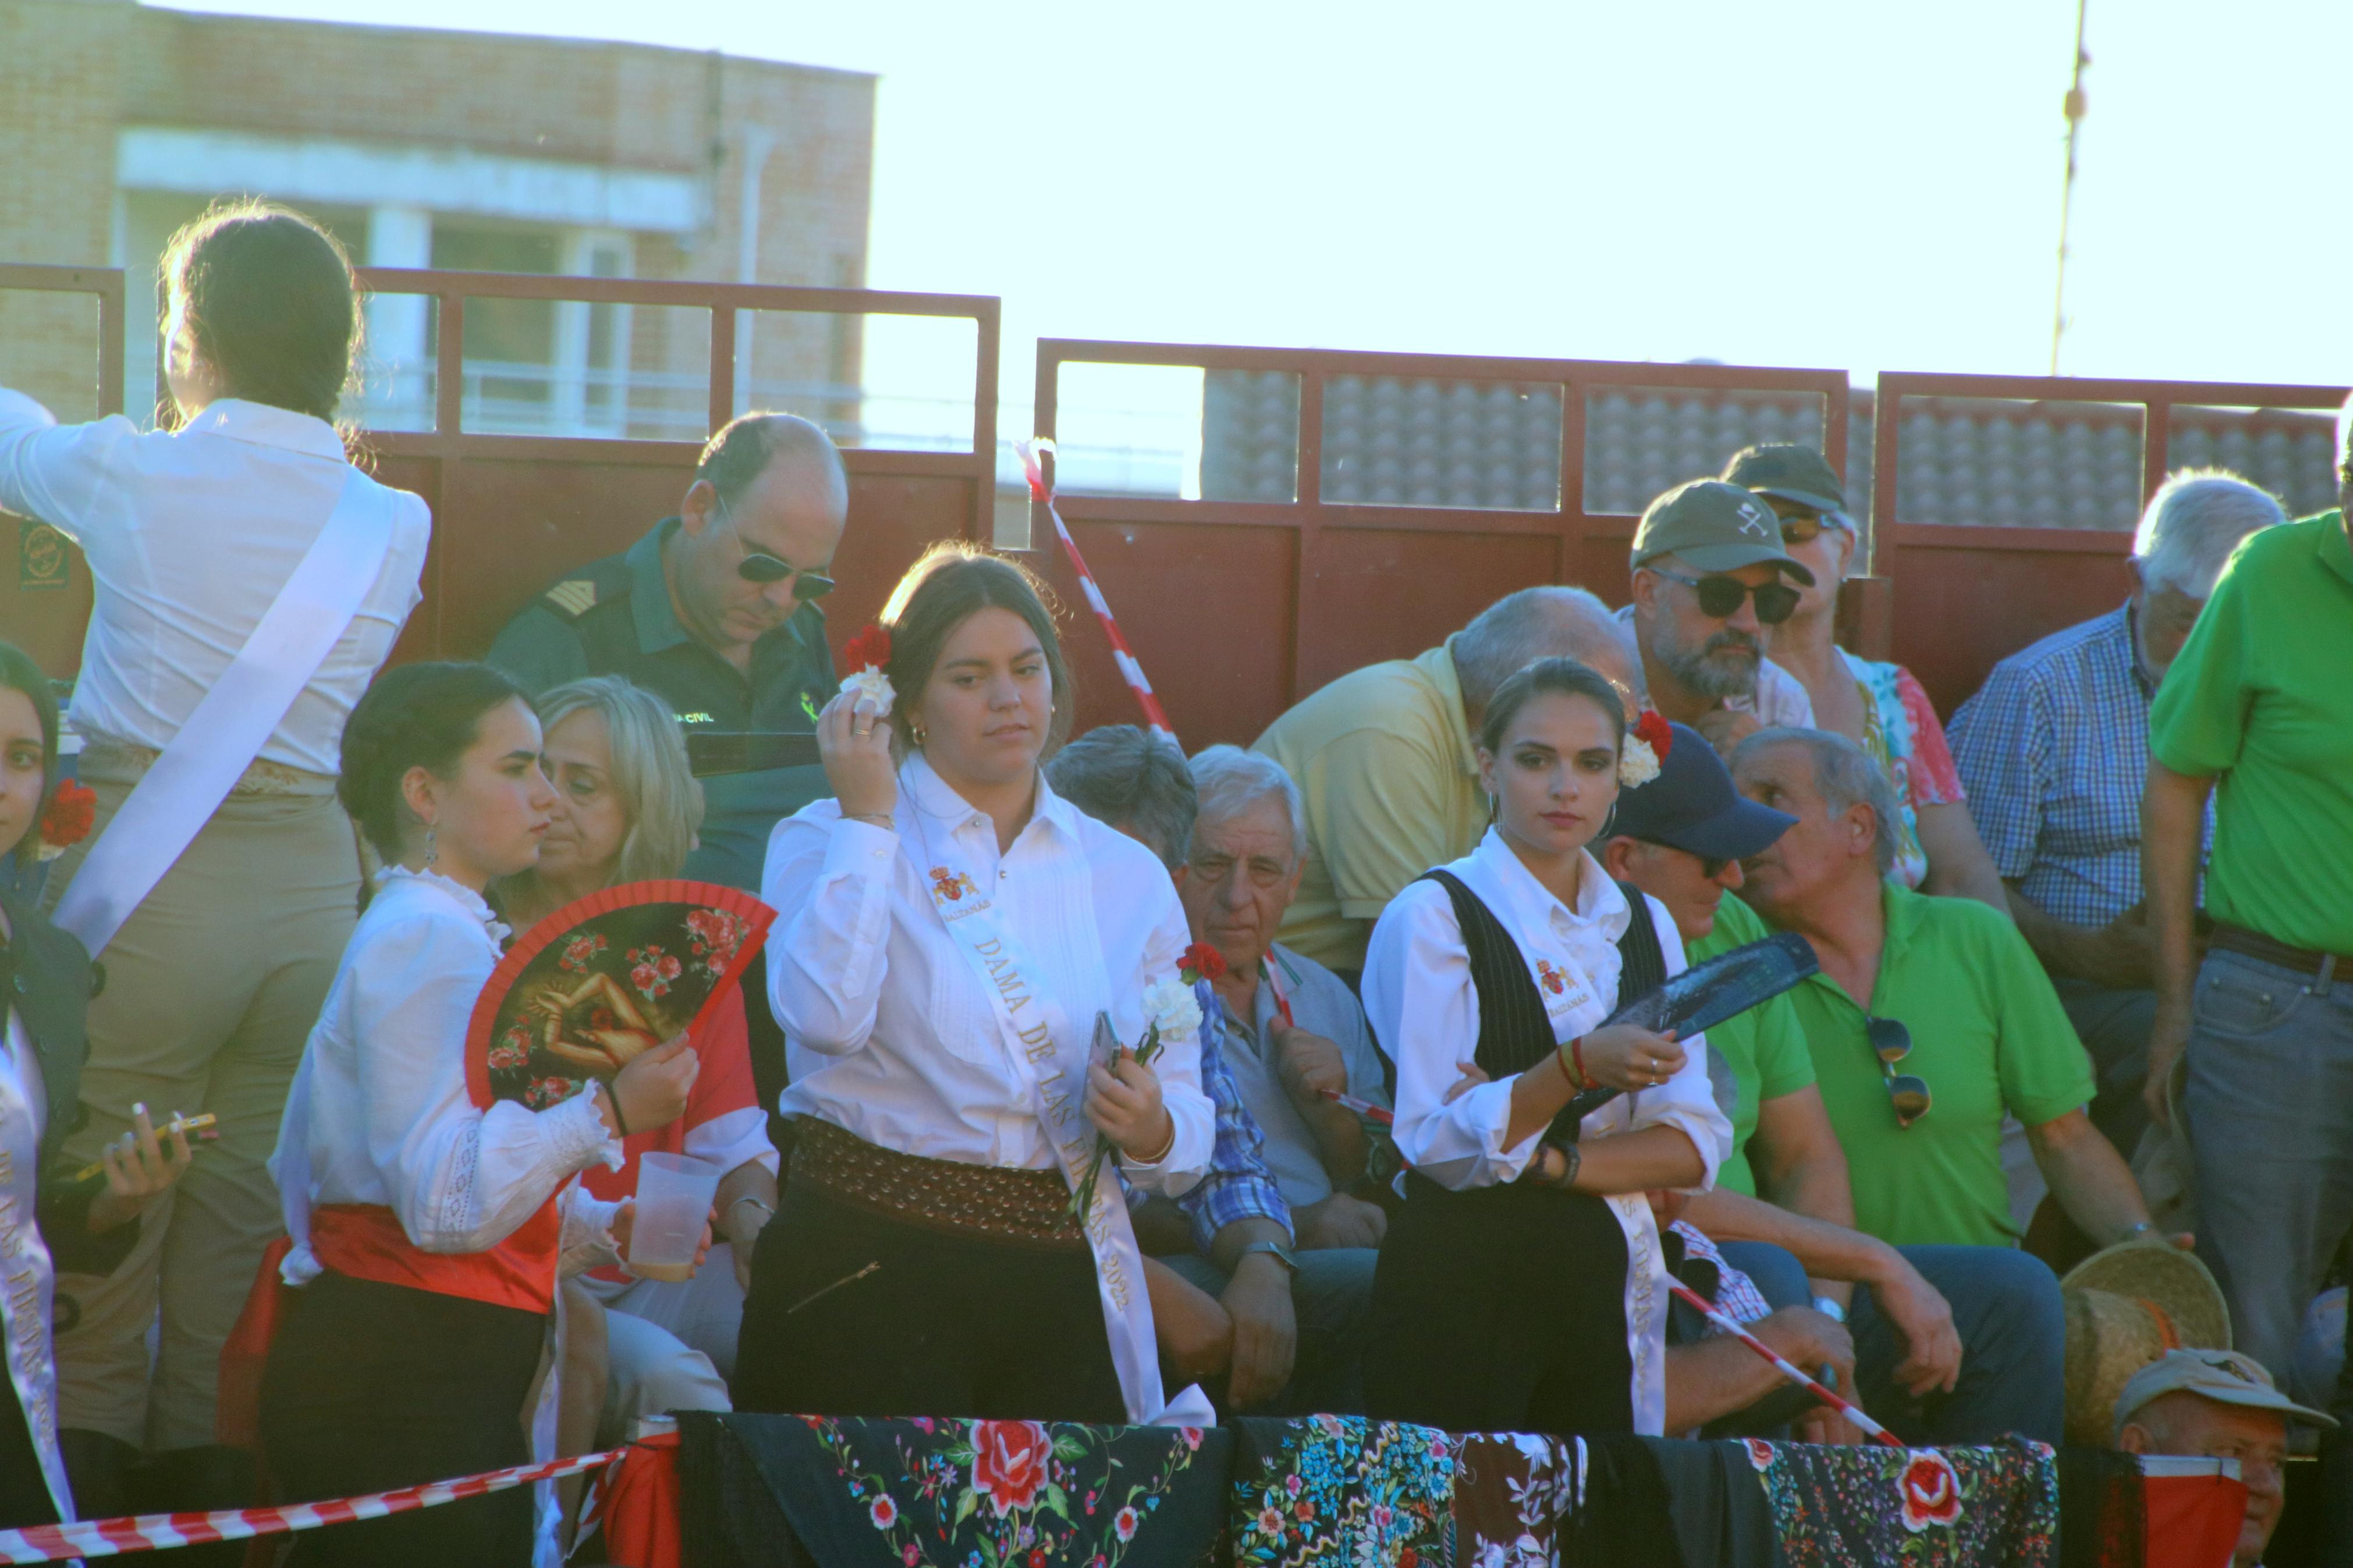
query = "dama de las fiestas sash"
{"x": 1051, "y": 1053}
{"x": 27, "y": 1280}
{"x": 176, "y": 796}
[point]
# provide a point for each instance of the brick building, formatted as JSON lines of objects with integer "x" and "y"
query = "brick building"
{"x": 118, "y": 123}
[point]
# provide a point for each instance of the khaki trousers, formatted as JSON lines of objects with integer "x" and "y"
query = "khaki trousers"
{"x": 212, "y": 986}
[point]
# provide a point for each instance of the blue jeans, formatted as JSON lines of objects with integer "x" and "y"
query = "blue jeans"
{"x": 2270, "y": 1109}
{"x": 2013, "y": 1342}
{"x": 1331, "y": 1297}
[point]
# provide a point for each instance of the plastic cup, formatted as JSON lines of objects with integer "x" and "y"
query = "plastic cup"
{"x": 674, "y": 1195}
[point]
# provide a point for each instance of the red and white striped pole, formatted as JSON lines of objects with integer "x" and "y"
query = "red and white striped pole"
{"x": 1131, "y": 671}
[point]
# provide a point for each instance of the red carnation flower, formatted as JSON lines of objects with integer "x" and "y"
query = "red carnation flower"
{"x": 869, "y": 649}
{"x": 1652, "y": 731}
{"x": 1200, "y": 962}
{"x": 71, "y": 812}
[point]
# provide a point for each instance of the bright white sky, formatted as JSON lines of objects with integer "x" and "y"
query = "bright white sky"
{"x": 1841, "y": 182}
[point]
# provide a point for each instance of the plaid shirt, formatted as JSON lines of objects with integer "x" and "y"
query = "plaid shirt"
{"x": 1736, "y": 1296}
{"x": 1238, "y": 1185}
{"x": 2054, "y": 751}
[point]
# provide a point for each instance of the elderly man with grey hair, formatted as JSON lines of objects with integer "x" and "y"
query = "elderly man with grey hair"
{"x": 1386, "y": 768}
{"x": 1295, "y": 1034}
{"x": 1263, "y": 1324}
{"x": 1929, "y": 1018}
{"x": 2054, "y": 751}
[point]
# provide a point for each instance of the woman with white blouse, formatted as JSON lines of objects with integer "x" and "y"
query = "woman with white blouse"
{"x": 1520, "y": 1288}
{"x": 956, "y": 942}
{"x": 192, "y": 532}
{"x": 426, "y": 1228}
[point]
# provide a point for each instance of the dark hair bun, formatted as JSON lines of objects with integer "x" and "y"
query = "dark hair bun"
{"x": 414, "y": 716}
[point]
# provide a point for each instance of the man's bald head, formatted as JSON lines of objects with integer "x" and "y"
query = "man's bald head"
{"x": 1539, "y": 623}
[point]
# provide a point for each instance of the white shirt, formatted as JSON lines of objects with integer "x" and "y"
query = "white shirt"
{"x": 1419, "y": 998}
{"x": 888, "y": 1031}
{"x": 190, "y": 535}
{"x": 391, "y": 1120}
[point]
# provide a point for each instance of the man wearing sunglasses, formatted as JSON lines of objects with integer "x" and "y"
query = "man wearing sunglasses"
{"x": 716, "y": 611}
{"x": 1709, "y": 579}
{"x": 1952, "y": 1344}
{"x": 1930, "y": 1019}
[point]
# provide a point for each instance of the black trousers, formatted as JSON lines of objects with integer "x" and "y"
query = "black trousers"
{"x": 851, "y": 1313}
{"x": 1500, "y": 1309}
{"x": 24, "y": 1495}
{"x": 373, "y": 1386}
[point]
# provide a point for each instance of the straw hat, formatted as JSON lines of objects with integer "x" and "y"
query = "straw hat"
{"x": 2127, "y": 1305}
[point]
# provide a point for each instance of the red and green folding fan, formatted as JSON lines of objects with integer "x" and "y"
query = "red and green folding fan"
{"x": 604, "y": 978}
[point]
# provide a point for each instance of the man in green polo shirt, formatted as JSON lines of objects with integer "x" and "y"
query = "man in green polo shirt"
{"x": 1386, "y": 768}
{"x": 2258, "y": 709}
{"x": 1930, "y": 1019}
{"x": 716, "y": 611}
{"x": 1952, "y": 1344}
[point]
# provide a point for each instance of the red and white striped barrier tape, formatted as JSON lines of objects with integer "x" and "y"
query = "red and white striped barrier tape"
{"x": 1378, "y": 1115}
{"x": 1130, "y": 671}
{"x": 1827, "y": 1396}
{"x": 153, "y": 1532}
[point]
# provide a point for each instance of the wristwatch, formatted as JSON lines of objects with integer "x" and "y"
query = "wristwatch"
{"x": 1275, "y": 1249}
{"x": 1830, "y": 1309}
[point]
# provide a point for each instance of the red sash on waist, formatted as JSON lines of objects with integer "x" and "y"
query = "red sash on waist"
{"x": 365, "y": 1241}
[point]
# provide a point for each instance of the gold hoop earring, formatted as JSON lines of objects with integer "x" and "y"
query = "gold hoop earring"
{"x": 916, "y": 733}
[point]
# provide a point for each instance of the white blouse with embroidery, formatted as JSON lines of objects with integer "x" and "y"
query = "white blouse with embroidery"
{"x": 1422, "y": 1005}
{"x": 383, "y": 1086}
{"x": 890, "y": 1035}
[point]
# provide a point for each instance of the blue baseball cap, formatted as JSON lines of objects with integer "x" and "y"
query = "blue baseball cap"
{"x": 1691, "y": 806}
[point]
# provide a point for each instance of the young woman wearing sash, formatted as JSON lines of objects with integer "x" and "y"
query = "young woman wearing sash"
{"x": 952, "y": 931}
{"x": 1521, "y": 1289}
{"x": 426, "y": 1229}
{"x": 194, "y": 534}
{"x": 48, "y": 1219}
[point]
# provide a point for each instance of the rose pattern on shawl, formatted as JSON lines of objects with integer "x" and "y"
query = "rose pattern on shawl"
{"x": 1007, "y": 1494}
{"x": 1333, "y": 1490}
{"x": 1932, "y": 1492}
{"x": 1010, "y": 1463}
{"x": 1875, "y": 1506}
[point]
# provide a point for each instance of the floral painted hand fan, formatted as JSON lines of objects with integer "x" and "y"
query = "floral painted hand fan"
{"x": 603, "y": 979}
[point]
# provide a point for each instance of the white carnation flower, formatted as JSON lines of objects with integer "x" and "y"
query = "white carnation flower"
{"x": 870, "y": 691}
{"x": 1637, "y": 763}
{"x": 1169, "y": 1005}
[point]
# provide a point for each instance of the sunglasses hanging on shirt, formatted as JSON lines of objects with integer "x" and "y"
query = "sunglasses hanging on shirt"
{"x": 1891, "y": 1042}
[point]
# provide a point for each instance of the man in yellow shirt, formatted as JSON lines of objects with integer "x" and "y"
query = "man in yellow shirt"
{"x": 1384, "y": 760}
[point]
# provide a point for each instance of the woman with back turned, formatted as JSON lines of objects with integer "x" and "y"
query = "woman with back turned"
{"x": 222, "y": 880}
{"x": 1521, "y": 1289}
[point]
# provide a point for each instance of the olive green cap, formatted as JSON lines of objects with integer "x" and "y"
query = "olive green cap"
{"x": 1714, "y": 527}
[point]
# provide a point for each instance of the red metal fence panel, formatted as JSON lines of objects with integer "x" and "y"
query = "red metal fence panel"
{"x": 511, "y": 512}
{"x": 1971, "y": 578}
{"x": 1242, "y": 601}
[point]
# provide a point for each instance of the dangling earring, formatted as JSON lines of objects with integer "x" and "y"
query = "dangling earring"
{"x": 432, "y": 849}
{"x": 1608, "y": 826}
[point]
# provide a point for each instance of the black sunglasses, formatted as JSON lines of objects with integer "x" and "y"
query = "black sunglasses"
{"x": 1891, "y": 1042}
{"x": 1720, "y": 597}
{"x": 761, "y": 568}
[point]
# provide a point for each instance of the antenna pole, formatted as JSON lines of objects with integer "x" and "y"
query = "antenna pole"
{"x": 2074, "y": 109}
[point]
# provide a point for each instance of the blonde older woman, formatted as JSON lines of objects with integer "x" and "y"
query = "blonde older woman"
{"x": 627, "y": 808}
